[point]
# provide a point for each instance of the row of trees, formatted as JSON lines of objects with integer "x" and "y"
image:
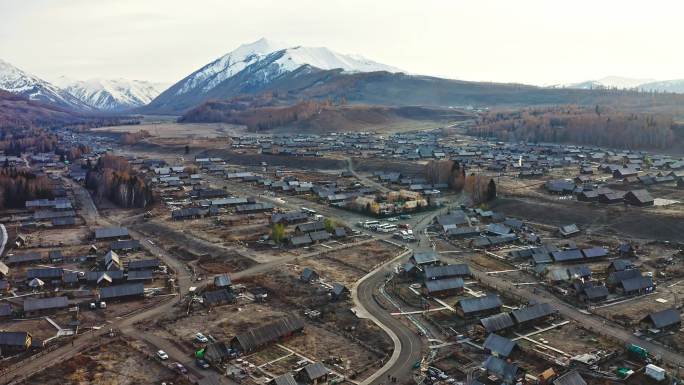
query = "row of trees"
{"x": 18, "y": 186}
{"x": 256, "y": 117}
{"x": 572, "y": 124}
{"x": 113, "y": 178}
{"x": 480, "y": 188}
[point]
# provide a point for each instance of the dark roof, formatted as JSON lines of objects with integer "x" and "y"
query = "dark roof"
{"x": 308, "y": 274}
{"x": 637, "y": 283}
{"x": 640, "y": 196}
{"x": 14, "y": 338}
{"x": 471, "y": 305}
{"x": 618, "y": 276}
{"x": 664, "y": 318}
{"x": 218, "y": 296}
{"x": 425, "y": 257}
{"x": 570, "y": 378}
{"x": 127, "y": 244}
{"x": 260, "y": 336}
{"x": 285, "y": 379}
{"x": 497, "y": 322}
{"x": 567, "y": 255}
{"x": 292, "y": 216}
{"x": 436, "y": 272}
{"x": 222, "y": 280}
{"x": 531, "y": 313}
{"x": 138, "y": 275}
{"x": 437, "y": 285}
{"x": 125, "y": 290}
{"x": 594, "y": 292}
{"x": 5, "y": 309}
{"x": 501, "y": 346}
{"x": 70, "y": 277}
{"x": 316, "y": 370}
{"x": 595, "y": 252}
{"x": 94, "y": 276}
{"x": 143, "y": 264}
{"x": 311, "y": 226}
{"x": 34, "y": 304}
{"x": 319, "y": 235}
{"x": 620, "y": 264}
{"x": 579, "y": 271}
{"x": 45, "y": 273}
{"x": 32, "y": 256}
{"x": 339, "y": 289}
{"x": 502, "y": 369}
{"x": 111, "y": 232}
{"x": 301, "y": 240}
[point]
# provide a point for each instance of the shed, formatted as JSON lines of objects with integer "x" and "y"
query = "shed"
{"x": 308, "y": 275}
{"x": 218, "y": 297}
{"x": 315, "y": 373}
{"x": 447, "y": 271}
{"x": 639, "y": 198}
{"x": 222, "y": 280}
{"x": 532, "y": 314}
{"x": 665, "y": 319}
{"x": 506, "y": 372}
{"x": 446, "y": 286}
{"x": 471, "y": 307}
{"x": 123, "y": 291}
{"x": 570, "y": 378}
{"x": 261, "y": 336}
{"x": 497, "y": 322}
{"x": 499, "y": 346}
{"x": 34, "y": 305}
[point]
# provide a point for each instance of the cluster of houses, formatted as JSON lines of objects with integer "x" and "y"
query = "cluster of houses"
{"x": 483, "y": 229}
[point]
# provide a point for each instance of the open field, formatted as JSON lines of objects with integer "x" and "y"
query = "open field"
{"x": 177, "y": 130}
{"x": 115, "y": 362}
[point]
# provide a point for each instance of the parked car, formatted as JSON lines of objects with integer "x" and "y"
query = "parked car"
{"x": 199, "y": 337}
{"x": 179, "y": 367}
{"x": 162, "y": 355}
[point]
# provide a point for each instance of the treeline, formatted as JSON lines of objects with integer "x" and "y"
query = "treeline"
{"x": 479, "y": 188}
{"x": 113, "y": 178}
{"x": 572, "y": 124}
{"x": 18, "y": 186}
{"x": 257, "y": 114}
{"x": 133, "y": 137}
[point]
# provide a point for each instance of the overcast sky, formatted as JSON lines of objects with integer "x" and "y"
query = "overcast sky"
{"x": 536, "y": 42}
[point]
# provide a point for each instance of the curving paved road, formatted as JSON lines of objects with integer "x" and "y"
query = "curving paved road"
{"x": 408, "y": 346}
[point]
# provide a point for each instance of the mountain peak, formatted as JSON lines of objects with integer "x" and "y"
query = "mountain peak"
{"x": 18, "y": 82}
{"x": 273, "y": 58}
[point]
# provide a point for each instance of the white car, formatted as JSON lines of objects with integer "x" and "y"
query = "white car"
{"x": 201, "y": 338}
{"x": 162, "y": 355}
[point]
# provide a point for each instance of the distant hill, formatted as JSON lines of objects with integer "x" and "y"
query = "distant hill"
{"x": 17, "y": 111}
{"x": 18, "y": 82}
{"x": 260, "y": 114}
{"x": 112, "y": 95}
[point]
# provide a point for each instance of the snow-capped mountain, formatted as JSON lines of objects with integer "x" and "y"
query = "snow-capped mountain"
{"x": 618, "y": 82}
{"x": 112, "y": 94}
{"x": 18, "y": 82}
{"x": 674, "y": 86}
{"x": 252, "y": 66}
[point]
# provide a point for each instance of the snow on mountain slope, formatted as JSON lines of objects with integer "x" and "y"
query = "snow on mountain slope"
{"x": 618, "y": 82}
{"x": 675, "y": 86}
{"x": 290, "y": 58}
{"x": 18, "y": 82}
{"x": 112, "y": 94}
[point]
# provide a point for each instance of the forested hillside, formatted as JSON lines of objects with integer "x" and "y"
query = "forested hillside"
{"x": 599, "y": 126}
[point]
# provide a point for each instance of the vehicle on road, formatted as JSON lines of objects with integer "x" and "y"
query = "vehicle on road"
{"x": 199, "y": 337}
{"x": 179, "y": 367}
{"x": 162, "y": 355}
{"x": 202, "y": 364}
